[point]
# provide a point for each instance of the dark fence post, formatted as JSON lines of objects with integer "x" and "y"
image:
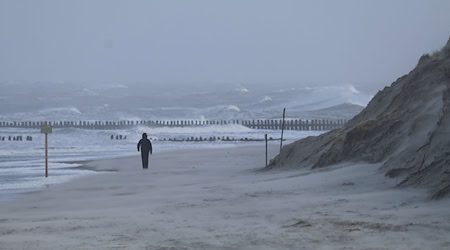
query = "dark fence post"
{"x": 282, "y": 130}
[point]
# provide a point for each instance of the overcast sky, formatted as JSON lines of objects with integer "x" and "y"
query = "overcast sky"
{"x": 238, "y": 41}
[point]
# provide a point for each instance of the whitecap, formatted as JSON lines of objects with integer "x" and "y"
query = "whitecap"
{"x": 242, "y": 90}
{"x": 233, "y": 108}
{"x": 266, "y": 99}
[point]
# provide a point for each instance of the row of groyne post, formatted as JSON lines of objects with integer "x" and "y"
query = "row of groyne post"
{"x": 16, "y": 138}
{"x": 217, "y": 138}
{"x": 271, "y": 124}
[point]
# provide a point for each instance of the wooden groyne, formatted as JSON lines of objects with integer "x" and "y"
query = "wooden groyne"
{"x": 218, "y": 138}
{"x": 16, "y": 138}
{"x": 271, "y": 124}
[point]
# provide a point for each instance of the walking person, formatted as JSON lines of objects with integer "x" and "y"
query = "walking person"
{"x": 145, "y": 146}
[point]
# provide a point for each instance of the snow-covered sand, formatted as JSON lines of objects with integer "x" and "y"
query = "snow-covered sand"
{"x": 216, "y": 199}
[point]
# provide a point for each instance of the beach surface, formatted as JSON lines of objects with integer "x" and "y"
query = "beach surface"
{"x": 219, "y": 199}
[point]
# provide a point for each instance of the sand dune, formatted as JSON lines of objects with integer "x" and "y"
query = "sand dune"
{"x": 404, "y": 127}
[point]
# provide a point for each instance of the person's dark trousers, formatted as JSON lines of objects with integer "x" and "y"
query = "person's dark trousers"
{"x": 144, "y": 156}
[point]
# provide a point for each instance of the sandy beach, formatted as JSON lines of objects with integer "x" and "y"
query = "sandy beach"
{"x": 218, "y": 199}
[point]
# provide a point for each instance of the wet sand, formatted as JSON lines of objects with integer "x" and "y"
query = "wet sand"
{"x": 217, "y": 199}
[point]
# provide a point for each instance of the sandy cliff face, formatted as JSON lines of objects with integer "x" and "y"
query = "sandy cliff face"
{"x": 406, "y": 126}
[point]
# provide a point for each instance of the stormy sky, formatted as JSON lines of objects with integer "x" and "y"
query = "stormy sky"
{"x": 229, "y": 41}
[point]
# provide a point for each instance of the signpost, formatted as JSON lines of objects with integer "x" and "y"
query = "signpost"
{"x": 46, "y": 129}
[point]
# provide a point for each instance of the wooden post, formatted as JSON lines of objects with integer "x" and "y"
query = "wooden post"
{"x": 266, "y": 149}
{"x": 282, "y": 129}
{"x": 46, "y": 155}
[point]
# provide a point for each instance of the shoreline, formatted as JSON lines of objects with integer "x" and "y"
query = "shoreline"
{"x": 218, "y": 199}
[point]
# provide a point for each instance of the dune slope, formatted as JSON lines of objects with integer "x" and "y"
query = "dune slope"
{"x": 405, "y": 126}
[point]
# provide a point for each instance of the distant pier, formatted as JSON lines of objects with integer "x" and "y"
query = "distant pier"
{"x": 270, "y": 124}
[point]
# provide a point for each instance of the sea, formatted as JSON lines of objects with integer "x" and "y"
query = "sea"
{"x": 22, "y": 163}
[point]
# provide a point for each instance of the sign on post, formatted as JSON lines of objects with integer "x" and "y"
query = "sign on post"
{"x": 46, "y": 129}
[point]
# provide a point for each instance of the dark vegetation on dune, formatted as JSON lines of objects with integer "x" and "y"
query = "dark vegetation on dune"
{"x": 406, "y": 127}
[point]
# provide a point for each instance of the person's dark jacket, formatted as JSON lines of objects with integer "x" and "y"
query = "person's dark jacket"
{"x": 144, "y": 145}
